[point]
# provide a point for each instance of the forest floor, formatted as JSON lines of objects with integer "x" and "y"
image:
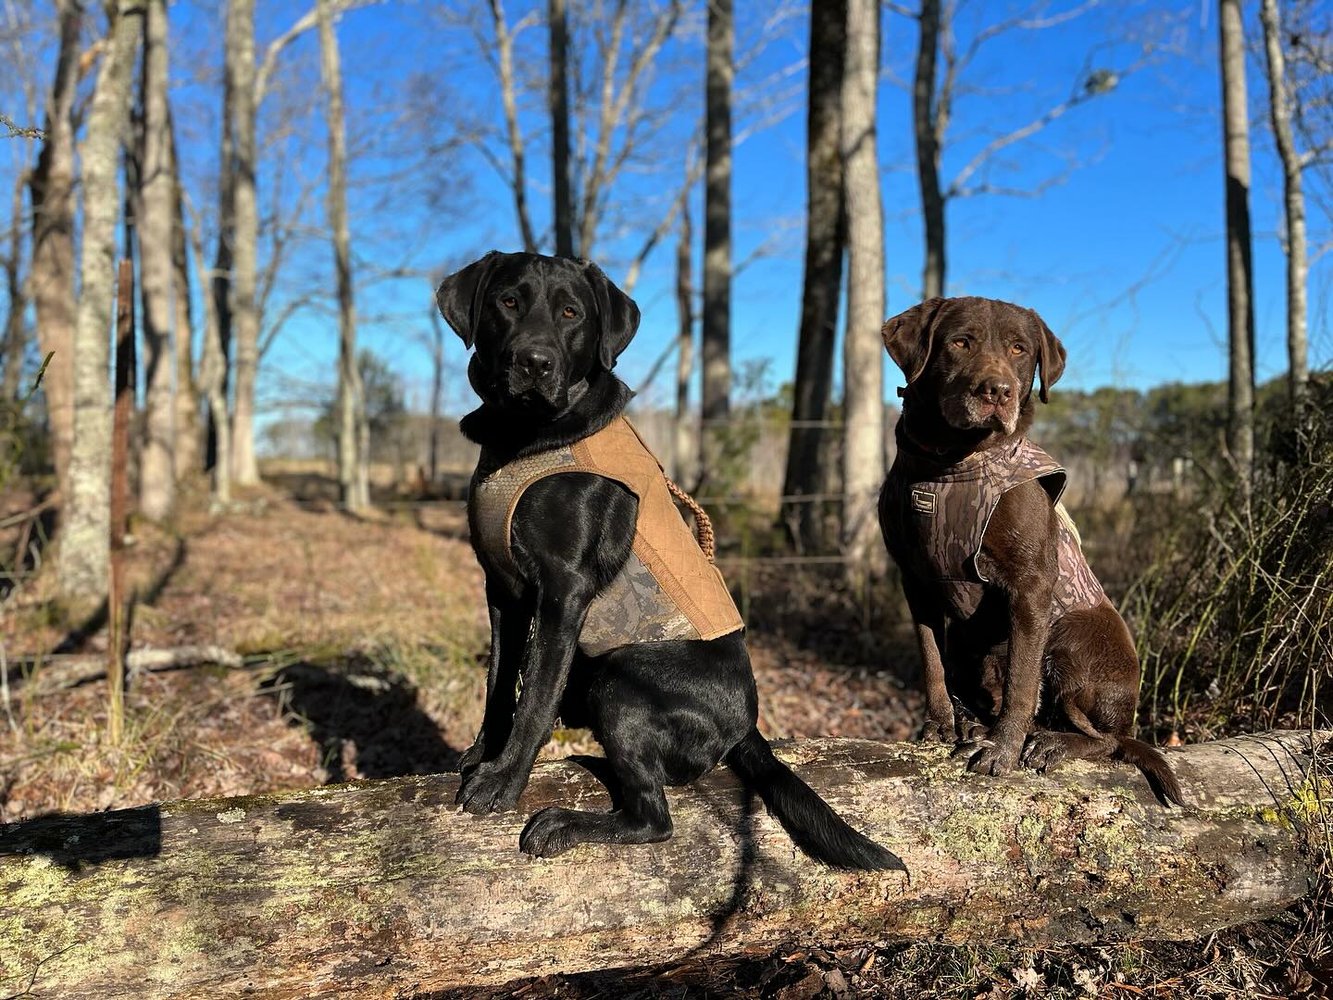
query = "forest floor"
{"x": 363, "y": 644}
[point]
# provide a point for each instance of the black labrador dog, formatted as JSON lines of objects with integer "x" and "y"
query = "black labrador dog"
{"x": 547, "y": 332}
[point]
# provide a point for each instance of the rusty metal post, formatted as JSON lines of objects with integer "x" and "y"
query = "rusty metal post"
{"x": 120, "y": 452}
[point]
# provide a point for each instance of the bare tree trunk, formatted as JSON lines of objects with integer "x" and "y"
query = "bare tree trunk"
{"x": 685, "y": 452}
{"x": 1240, "y": 273}
{"x": 157, "y": 472}
{"x": 927, "y": 124}
{"x": 863, "y": 371}
{"x": 212, "y": 379}
{"x": 52, "y": 269}
{"x": 1279, "y": 104}
{"x": 504, "y": 43}
{"x": 353, "y": 430}
{"x": 559, "y": 101}
{"x": 436, "y": 390}
{"x": 244, "y": 310}
{"x": 16, "y": 339}
{"x": 219, "y": 288}
{"x": 84, "y": 548}
{"x": 825, "y": 236}
{"x": 186, "y": 441}
{"x": 382, "y": 888}
{"x": 715, "y": 334}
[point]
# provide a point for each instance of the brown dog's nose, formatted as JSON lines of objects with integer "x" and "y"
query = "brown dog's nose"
{"x": 994, "y": 390}
{"x": 534, "y": 362}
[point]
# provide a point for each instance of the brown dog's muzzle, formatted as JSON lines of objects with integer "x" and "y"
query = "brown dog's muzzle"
{"x": 987, "y": 400}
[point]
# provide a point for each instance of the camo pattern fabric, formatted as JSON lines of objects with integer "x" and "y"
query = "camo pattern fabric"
{"x": 667, "y": 589}
{"x": 940, "y": 511}
{"x": 633, "y": 604}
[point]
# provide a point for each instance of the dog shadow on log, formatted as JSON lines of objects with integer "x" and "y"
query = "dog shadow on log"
{"x": 76, "y": 841}
{"x": 361, "y": 708}
{"x": 733, "y": 806}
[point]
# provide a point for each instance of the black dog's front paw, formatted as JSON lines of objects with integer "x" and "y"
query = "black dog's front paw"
{"x": 490, "y": 788}
{"x": 471, "y": 757}
{"x": 549, "y": 832}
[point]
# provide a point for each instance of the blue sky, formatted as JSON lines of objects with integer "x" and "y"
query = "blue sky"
{"x": 1123, "y": 257}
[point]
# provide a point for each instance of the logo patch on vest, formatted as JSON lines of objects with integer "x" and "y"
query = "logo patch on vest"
{"x": 923, "y": 501}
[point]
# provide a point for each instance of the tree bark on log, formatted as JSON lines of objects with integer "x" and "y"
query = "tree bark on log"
{"x": 385, "y": 889}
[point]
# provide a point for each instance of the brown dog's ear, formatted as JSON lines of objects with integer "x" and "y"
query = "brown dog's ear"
{"x": 1050, "y": 355}
{"x": 908, "y": 337}
{"x": 459, "y": 296}
{"x": 617, "y": 316}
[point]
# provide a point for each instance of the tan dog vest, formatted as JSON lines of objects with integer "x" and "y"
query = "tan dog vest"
{"x": 667, "y": 589}
{"x": 941, "y": 510}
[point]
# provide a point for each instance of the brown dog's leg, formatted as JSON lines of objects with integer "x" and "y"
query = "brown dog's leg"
{"x": 1018, "y": 554}
{"x": 1094, "y": 679}
{"x": 929, "y": 624}
{"x": 1045, "y": 750}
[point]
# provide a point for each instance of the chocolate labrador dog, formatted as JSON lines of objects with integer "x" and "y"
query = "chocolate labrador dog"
{"x": 603, "y": 607}
{"x": 1009, "y": 618}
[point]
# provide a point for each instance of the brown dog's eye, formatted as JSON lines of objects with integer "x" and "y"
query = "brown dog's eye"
{"x": 509, "y": 302}
{"x": 1017, "y": 349}
{"x": 570, "y": 312}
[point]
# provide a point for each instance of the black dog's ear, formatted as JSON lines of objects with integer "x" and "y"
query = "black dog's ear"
{"x": 459, "y": 298}
{"x": 1050, "y": 355}
{"x": 908, "y": 337}
{"x": 617, "y": 316}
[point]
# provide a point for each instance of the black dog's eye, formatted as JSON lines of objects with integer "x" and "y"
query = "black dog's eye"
{"x": 569, "y": 312}
{"x": 1017, "y": 349}
{"x": 509, "y": 302}
{"x": 961, "y": 342}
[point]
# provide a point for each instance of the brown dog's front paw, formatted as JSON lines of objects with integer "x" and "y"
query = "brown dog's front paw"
{"x": 994, "y": 757}
{"x": 969, "y": 730}
{"x": 1044, "y": 751}
{"x": 933, "y": 731}
{"x": 490, "y": 788}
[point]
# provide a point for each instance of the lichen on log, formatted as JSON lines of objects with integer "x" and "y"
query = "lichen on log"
{"x": 383, "y": 888}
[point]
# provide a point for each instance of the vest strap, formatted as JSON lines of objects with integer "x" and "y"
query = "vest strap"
{"x": 703, "y": 527}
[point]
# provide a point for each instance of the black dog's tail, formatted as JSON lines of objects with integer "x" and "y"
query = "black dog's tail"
{"x": 1150, "y": 761}
{"x": 809, "y": 821}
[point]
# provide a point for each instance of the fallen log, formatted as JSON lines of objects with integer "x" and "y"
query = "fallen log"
{"x": 58, "y": 671}
{"x": 383, "y": 889}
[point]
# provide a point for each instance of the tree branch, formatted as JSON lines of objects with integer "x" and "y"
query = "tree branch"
{"x": 15, "y": 131}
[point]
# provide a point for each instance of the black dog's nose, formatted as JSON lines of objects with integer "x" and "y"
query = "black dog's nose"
{"x": 534, "y": 362}
{"x": 994, "y": 390}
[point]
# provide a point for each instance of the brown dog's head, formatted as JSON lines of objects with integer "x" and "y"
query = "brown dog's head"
{"x": 976, "y": 358}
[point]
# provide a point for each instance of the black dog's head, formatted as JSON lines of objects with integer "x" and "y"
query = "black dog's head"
{"x": 977, "y": 358}
{"x": 542, "y": 327}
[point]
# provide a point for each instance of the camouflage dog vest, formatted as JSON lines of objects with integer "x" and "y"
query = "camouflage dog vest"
{"x": 940, "y": 511}
{"x": 667, "y": 589}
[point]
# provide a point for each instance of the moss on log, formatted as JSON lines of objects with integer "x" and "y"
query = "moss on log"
{"x": 384, "y": 889}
